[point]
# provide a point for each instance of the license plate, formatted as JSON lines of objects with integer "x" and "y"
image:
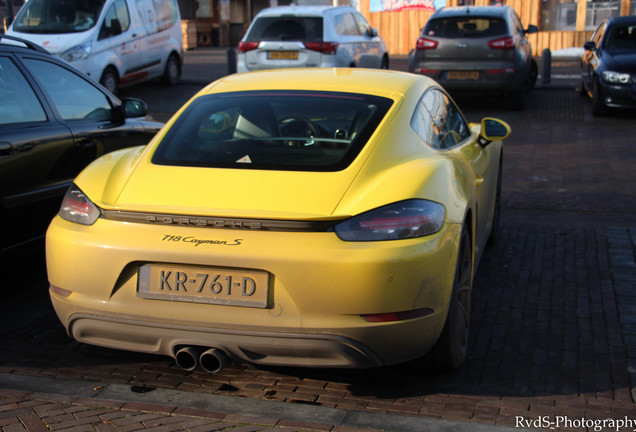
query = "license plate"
{"x": 282, "y": 55}
{"x": 466, "y": 75}
{"x": 212, "y": 285}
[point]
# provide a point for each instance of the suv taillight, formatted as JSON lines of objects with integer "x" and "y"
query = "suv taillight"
{"x": 247, "y": 46}
{"x": 425, "y": 44}
{"x": 322, "y": 47}
{"x": 506, "y": 43}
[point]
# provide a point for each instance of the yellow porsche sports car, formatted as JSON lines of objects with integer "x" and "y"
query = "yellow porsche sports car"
{"x": 318, "y": 217}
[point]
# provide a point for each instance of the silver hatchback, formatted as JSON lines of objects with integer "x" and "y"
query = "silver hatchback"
{"x": 483, "y": 49}
{"x": 310, "y": 36}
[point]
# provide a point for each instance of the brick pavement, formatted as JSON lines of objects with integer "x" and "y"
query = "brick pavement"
{"x": 554, "y": 305}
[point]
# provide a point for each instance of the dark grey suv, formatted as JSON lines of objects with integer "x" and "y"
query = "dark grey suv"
{"x": 477, "y": 49}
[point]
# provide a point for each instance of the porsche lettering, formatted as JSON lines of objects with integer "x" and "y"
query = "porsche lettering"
{"x": 215, "y": 223}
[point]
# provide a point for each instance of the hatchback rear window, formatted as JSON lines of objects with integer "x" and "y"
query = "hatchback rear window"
{"x": 466, "y": 27}
{"x": 289, "y": 28}
{"x": 273, "y": 130}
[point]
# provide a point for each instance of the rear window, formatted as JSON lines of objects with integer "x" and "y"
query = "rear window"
{"x": 466, "y": 27}
{"x": 273, "y": 130}
{"x": 290, "y": 28}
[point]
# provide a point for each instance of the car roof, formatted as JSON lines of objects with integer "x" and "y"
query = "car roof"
{"x": 631, "y": 19}
{"x": 347, "y": 80}
{"x": 15, "y": 44}
{"x": 302, "y": 10}
{"x": 482, "y": 11}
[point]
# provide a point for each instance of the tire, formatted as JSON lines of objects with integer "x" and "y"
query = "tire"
{"x": 598, "y": 106}
{"x": 533, "y": 75}
{"x": 451, "y": 349}
{"x": 385, "y": 62}
{"x": 496, "y": 217}
{"x": 172, "y": 74}
{"x": 110, "y": 80}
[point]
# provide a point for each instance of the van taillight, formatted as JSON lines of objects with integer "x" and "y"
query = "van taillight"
{"x": 425, "y": 44}
{"x": 322, "y": 47}
{"x": 506, "y": 43}
{"x": 247, "y": 46}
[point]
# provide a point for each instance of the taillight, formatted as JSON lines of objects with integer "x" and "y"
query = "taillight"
{"x": 506, "y": 43}
{"x": 247, "y": 46}
{"x": 322, "y": 47}
{"x": 401, "y": 220}
{"x": 77, "y": 208}
{"x": 425, "y": 71}
{"x": 425, "y": 44}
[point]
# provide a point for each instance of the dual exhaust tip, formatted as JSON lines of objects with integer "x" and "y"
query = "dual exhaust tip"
{"x": 211, "y": 360}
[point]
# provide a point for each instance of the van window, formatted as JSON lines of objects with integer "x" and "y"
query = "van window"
{"x": 57, "y": 16}
{"x": 116, "y": 21}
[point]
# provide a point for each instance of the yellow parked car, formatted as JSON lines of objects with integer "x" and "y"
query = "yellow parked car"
{"x": 317, "y": 217}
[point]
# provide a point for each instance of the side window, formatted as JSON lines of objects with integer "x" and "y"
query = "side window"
{"x": 18, "y": 102}
{"x": 598, "y": 35}
{"x": 363, "y": 27}
{"x": 346, "y": 25}
{"x": 116, "y": 20}
{"x": 438, "y": 121}
{"x": 73, "y": 96}
{"x": 518, "y": 27}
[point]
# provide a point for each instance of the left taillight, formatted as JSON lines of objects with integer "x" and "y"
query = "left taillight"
{"x": 322, "y": 47}
{"x": 247, "y": 46}
{"x": 402, "y": 220}
{"x": 77, "y": 208}
{"x": 506, "y": 43}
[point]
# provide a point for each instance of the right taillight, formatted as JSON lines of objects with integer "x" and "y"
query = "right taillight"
{"x": 247, "y": 46}
{"x": 425, "y": 44}
{"x": 322, "y": 47}
{"x": 506, "y": 43}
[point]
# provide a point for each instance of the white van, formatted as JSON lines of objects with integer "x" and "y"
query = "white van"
{"x": 116, "y": 42}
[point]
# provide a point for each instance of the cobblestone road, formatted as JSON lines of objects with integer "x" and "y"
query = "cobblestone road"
{"x": 553, "y": 323}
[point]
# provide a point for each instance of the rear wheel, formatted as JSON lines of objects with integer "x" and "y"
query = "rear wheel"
{"x": 450, "y": 350}
{"x": 172, "y": 74}
{"x": 385, "y": 62}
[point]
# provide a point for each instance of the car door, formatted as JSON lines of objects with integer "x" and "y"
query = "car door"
{"x": 445, "y": 129}
{"x": 96, "y": 126}
{"x": 370, "y": 51}
{"x": 33, "y": 162}
{"x": 119, "y": 35}
{"x": 590, "y": 57}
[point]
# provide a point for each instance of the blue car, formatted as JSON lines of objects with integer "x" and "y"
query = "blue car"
{"x": 608, "y": 65}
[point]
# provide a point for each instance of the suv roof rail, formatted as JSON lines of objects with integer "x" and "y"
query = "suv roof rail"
{"x": 27, "y": 43}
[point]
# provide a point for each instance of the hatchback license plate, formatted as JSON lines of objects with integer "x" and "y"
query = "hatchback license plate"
{"x": 282, "y": 55}
{"x": 466, "y": 75}
{"x": 212, "y": 285}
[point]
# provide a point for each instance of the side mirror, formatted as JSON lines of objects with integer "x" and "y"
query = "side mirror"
{"x": 373, "y": 32}
{"x": 133, "y": 107}
{"x": 493, "y": 129}
{"x": 589, "y": 46}
{"x": 531, "y": 29}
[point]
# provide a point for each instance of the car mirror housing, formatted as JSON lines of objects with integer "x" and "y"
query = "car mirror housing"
{"x": 589, "y": 46}
{"x": 531, "y": 29}
{"x": 493, "y": 129}
{"x": 133, "y": 107}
